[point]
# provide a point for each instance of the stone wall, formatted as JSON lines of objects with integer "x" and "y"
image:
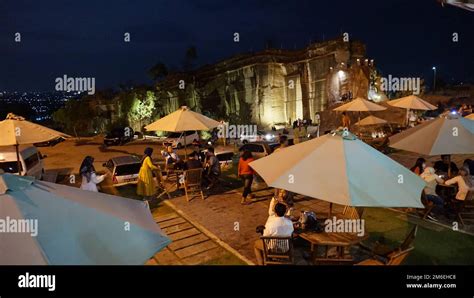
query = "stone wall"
{"x": 272, "y": 86}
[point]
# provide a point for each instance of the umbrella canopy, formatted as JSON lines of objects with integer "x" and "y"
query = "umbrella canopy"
{"x": 341, "y": 169}
{"x": 360, "y": 105}
{"x": 470, "y": 117}
{"x": 73, "y": 226}
{"x": 371, "y": 120}
{"x": 16, "y": 131}
{"x": 183, "y": 120}
{"x": 445, "y": 135}
{"x": 412, "y": 102}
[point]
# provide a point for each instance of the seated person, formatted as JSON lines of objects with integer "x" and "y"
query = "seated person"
{"x": 419, "y": 166}
{"x": 192, "y": 162}
{"x": 213, "y": 168}
{"x": 432, "y": 180}
{"x": 277, "y": 225}
{"x": 445, "y": 165}
{"x": 464, "y": 182}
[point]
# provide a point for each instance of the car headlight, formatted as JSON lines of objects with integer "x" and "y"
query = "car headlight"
{"x": 268, "y": 137}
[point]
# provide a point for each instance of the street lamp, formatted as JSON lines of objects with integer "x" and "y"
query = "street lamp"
{"x": 434, "y": 78}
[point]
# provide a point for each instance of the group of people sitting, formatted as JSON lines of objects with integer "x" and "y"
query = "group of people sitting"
{"x": 444, "y": 172}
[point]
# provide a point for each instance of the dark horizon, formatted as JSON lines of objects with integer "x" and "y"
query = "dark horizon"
{"x": 406, "y": 38}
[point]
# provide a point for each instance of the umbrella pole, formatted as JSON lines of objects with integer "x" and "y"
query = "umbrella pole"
{"x": 185, "y": 155}
{"x": 18, "y": 158}
{"x": 407, "y": 120}
{"x": 358, "y": 126}
{"x": 330, "y": 210}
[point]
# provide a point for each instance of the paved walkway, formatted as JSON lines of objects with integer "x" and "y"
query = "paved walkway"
{"x": 190, "y": 245}
{"x": 233, "y": 223}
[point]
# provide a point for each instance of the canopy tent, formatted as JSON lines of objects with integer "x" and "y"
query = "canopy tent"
{"x": 444, "y": 135}
{"x": 74, "y": 226}
{"x": 339, "y": 168}
{"x": 183, "y": 120}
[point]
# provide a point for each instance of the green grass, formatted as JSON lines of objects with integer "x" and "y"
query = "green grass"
{"x": 434, "y": 245}
{"x": 225, "y": 259}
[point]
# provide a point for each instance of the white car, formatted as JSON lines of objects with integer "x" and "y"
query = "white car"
{"x": 177, "y": 139}
{"x": 123, "y": 169}
{"x": 260, "y": 136}
{"x": 31, "y": 161}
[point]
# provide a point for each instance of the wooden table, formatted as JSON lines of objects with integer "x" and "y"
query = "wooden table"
{"x": 338, "y": 240}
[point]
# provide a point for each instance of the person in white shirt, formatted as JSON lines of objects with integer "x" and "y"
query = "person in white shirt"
{"x": 277, "y": 225}
{"x": 89, "y": 177}
{"x": 171, "y": 157}
{"x": 464, "y": 182}
{"x": 432, "y": 180}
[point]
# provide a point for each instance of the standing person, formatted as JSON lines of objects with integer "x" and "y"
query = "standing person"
{"x": 346, "y": 121}
{"x": 213, "y": 168}
{"x": 246, "y": 173}
{"x": 432, "y": 180}
{"x": 146, "y": 185}
{"x": 89, "y": 177}
{"x": 419, "y": 166}
{"x": 464, "y": 182}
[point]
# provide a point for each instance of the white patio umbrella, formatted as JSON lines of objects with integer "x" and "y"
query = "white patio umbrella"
{"x": 183, "y": 120}
{"x": 359, "y": 105}
{"x": 64, "y": 225}
{"x": 412, "y": 102}
{"x": 445, "y": 135}
{"x": 15, "y": 131}
{"x": 371, "y": 120}
{"x": 339, "y": 168}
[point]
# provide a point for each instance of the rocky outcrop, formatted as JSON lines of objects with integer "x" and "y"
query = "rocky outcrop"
{"x": 273, "y": 86}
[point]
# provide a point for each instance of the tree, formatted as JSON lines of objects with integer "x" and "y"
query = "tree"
{"x": 189, "y": 58}
{"x": 142, "y": 108}
{"x": 159, "y": 71}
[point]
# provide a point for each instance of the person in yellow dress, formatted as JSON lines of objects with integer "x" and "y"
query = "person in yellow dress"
{"x": 146, "y": 185}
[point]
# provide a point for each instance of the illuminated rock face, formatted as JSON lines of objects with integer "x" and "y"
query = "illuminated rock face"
{"x": 273, "y": 86}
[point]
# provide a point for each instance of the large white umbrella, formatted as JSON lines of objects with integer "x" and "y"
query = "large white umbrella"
{"x": 15, "y": 131}
{"x": 339, "y": 168}
{"x": 412, "y": 102}
{"x": 445, "y": 135}
{"x": 64, "y": 225}
{"x": 183, "y": 120}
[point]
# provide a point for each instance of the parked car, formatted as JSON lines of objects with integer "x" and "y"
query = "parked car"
{"x": 50, "y": 143}
{"x": 31, "y": 161}
{"x": 258, "y": 149}
{"x": 274, "y": 146}
{"x": 177, "y": 139}
{"x": 123, "y": 169}
{"x": 119, "y": 136}
{"x": 260, "y": 136}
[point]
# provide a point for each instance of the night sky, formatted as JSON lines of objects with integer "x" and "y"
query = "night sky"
{"x": 85, "y": 38}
